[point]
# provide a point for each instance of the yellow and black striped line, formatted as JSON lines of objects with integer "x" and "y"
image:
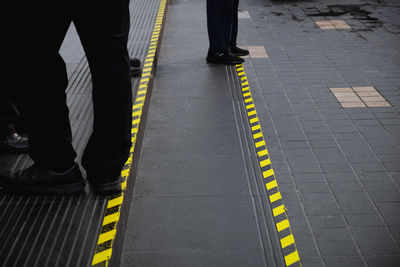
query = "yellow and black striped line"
{"x": 108, "y": 230}
{"x": 279, "y": 211}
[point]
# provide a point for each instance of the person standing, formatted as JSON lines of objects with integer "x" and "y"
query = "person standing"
{"x": 222, "y": 25}
{"x": 103, "y": 28}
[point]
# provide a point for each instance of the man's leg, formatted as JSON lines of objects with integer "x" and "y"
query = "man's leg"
{"x": 103, "y": 28}
{"x": 234, "y": 32}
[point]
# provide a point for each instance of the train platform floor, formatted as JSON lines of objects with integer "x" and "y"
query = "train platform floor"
{"x": 289, "y": 159}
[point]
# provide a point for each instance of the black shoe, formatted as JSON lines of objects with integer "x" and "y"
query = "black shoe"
{"x": 34, "y": 180}
{"x": 239, "y": 51}
{"x": 135, "y": 62}
{"x": 224, "y": 58}
{"x": 14, "y": 143}
{"x": 136, "y": 72}
{"x": 105, "y": 186}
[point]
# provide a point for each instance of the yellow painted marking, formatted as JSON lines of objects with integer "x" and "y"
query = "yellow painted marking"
{"x": 111, "y": 218}
{"x": 102, "y": 256}
{"x": 292, "y": 258}
{"x": 240, "y": 69}
{"x": 256, "y": 127}
{"x": 124, "y": 172}
{"x": 107, "y": 236}
{"x": 287, "y": 241}
{"x": 245, "y": 89}
{"x": 251, "y": 113}
{"x": 265, "y": 162}
{"x": 148, "y": 65}
{"x": 271, "y": 185}
{"x": 259, "y": 144}
{"x": 250, "y": 106}
{"x": 262, "y": 153}
{"x": 268, "y": 173}
{"x": 247, "y": 94}
{"x": 248, "y": 100}
{"x": 245, "y": 83}
{"x": 114, "y": 202}
{"x": 147, "y": 69}
{"x": 123, "y": 184}
{"x": 275, "y": 197}
{"x": 242, "y": 73}
{"x": 279, "y": 210}
{"x": 282, "y": 225}
{"x": 257, "y": 135}
{"x": 136, "y": 113}
{"x": 253, "y": 120}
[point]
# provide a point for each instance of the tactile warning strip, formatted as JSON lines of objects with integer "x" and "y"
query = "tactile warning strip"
{"x": 281, "y": 219}
{"x": 112, "y": 213}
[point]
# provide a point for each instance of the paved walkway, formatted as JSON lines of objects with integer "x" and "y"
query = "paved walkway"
{"x": 335, "y": 152}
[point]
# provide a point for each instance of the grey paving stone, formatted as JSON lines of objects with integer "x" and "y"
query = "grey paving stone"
{"x": 337, "y": 248}
{"x": 312, "y": 187}
{"x": 346, "y": 187}
{"x": 311, "y": 262}
{"x": 343, "y": 261}
{"x": 378, "y": 261}
{"x": 385, "y": 196}
{"x": 371, "y": 233}
{"x": 379, "y": 247}
{"x": 336, "y": 167}
{"x": 308, "y": 177}
{"x": 354, "y": 203}
{"x": 332, "y": 233}
{"x": 319, "y": 204}
{"x": 326, "y": 221}
{"x": 194, "y": 258}
{"x": 364, "y": 220}
{"x": 338, "y": 177}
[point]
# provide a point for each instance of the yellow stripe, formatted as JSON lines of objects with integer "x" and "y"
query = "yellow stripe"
{"x": 256, "y": 127}
{"x": 251, "y": 113}
{"x": 287, "y": 241}
{"x": 245, "y": 89}
{"x": 292, "y": 258}
{"x": 265, "y": 162}
{"x": 102, "y": 256}
{"x": 247, "y": 94}
{"x": 248, "y": 100}
{"x": 257, "y": 135}
{"x": 268, "y": 173}
{"x": 275, "y": 197}
{"x": 271, "y": 185}
{"x": 241, "y": 73}
{"x": 107, "y": 236}
{"x": 125, "y": 172}
{"x": 111, "y": 218}
{"x": 253, "y": 120}
{"x": 262, "y": 152}
{"x": 250, "y": 106}
{"x": 279, "y": 210}
{"x": 282, "y": 225}
{"x": 259, "y": 144}
{"x": 115, "y": 202}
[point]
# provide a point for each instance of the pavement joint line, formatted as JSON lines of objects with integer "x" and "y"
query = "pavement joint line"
{"x": 108, "y": 231}
{"x": 281, "y": 219}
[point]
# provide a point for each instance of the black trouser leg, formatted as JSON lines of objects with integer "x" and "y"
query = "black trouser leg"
{"x": 233, "y": 42}
{"x": 41, "y": 91}
{"x": 103, "y": 28}
{"x": 219, "y": 24}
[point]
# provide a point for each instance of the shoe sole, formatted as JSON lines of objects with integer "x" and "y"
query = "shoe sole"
{"x": 67, "y": 189}
{"x": 107, "y": 188}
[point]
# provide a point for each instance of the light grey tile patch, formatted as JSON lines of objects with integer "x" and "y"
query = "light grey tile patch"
{"x": 257, "y": 52}
{"x": 243, "y": 14}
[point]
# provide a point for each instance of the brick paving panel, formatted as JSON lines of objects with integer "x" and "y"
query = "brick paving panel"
{"x": 339, "y": 164}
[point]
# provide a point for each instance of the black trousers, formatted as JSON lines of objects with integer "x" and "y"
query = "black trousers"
{"x": 222, "y": 24}
{"x": 103, "y": 28}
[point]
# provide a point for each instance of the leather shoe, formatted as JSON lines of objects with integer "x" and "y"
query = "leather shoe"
{"x": 136, "y": 72}
{"x": 135, "y": 62}
{"x": 237, "y": 51}
{"x": 105, "y": 186}
{"x": 14, "y": 143}
{"x": 224, "y": 58}
{"x": 35, "y": 180}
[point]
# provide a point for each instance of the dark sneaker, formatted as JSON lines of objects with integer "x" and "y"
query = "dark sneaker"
{"x": 34, "y": 180}
{"x": 14, "y": 143}
{"x": 239, "y": 51}
{"x": 106, "y": 186}
{"x": 224, "y": 58}
{"x": 136, "y": 72}
{"x": 135, "y": 62}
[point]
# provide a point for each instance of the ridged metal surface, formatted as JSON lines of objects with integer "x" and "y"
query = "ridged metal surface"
{"x": 62, "y": 230}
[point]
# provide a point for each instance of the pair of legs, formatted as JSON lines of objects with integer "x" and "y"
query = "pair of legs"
{"x": 103, "y": 27}
{"x": 222, "y": 25}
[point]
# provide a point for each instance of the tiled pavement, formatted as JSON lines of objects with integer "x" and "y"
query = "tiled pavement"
{"x": 338, "y": 168}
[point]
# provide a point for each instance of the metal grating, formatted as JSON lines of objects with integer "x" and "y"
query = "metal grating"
{"x": 62, "y": 230}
